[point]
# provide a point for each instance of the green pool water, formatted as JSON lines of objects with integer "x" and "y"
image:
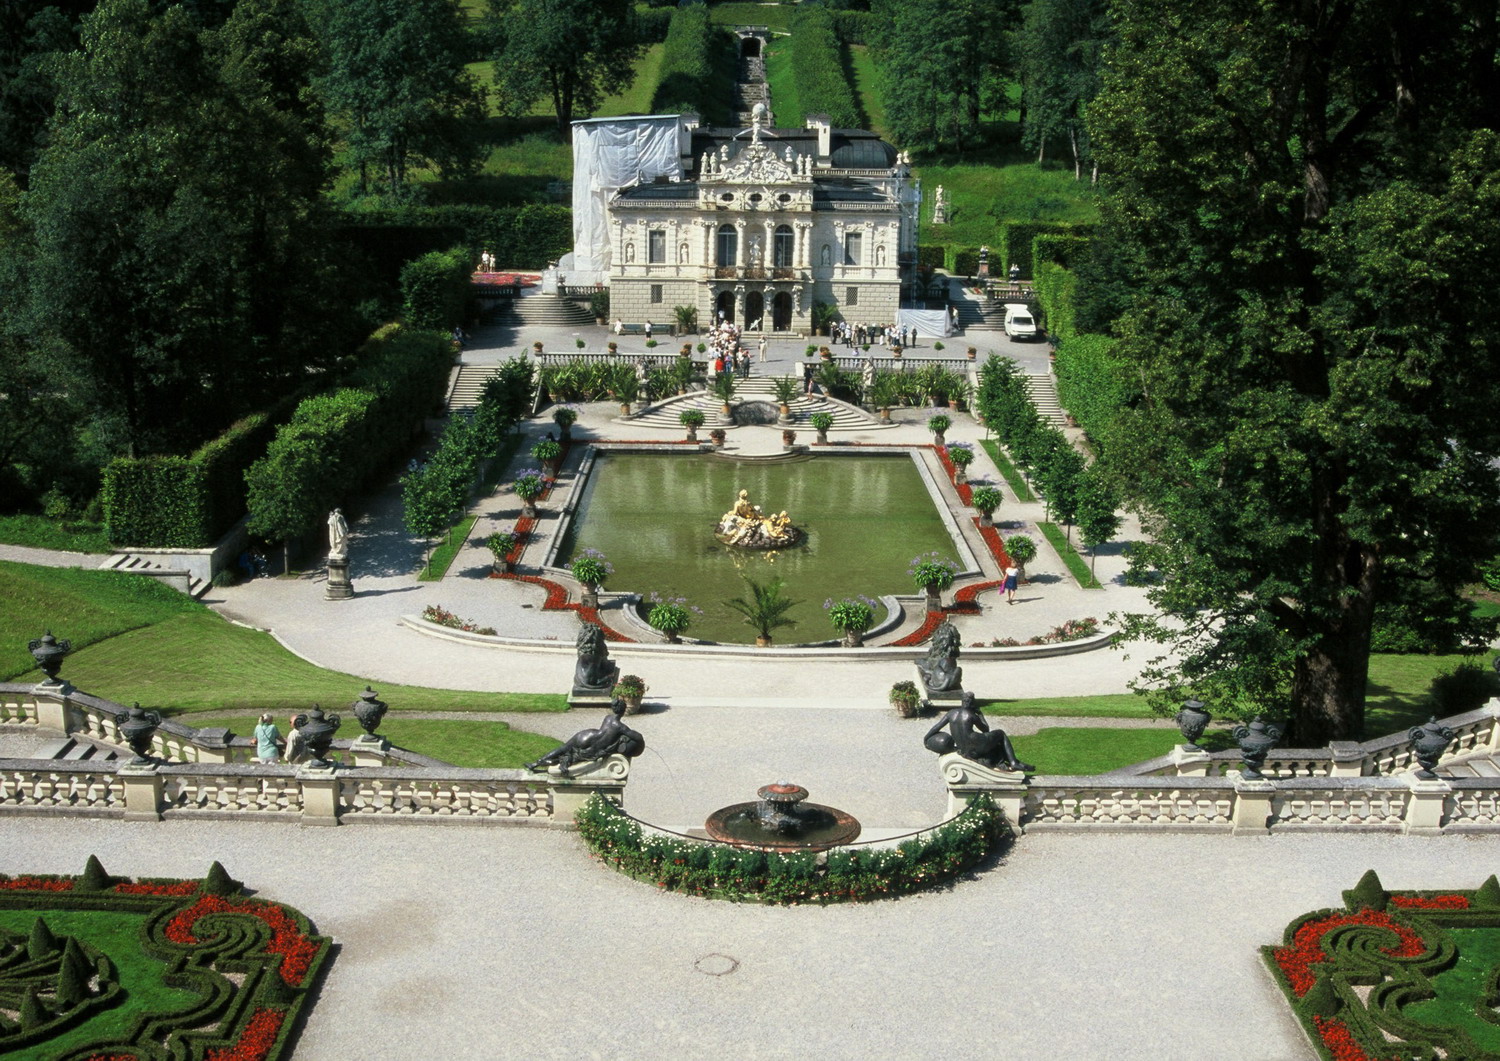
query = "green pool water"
{"x": 653, "y": 516}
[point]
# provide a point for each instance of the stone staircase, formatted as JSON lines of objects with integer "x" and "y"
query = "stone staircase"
{"x": 975, "y": 315}
{"x": 468, "y": 385}
{"x": 750, "y": 88}
{"x": 75, "y": 749}
{"x": 131, "y": 564}
{"x": 759, "y": 390}
{"x": 1041, "y": 388}
{"x": 543, "y": 311}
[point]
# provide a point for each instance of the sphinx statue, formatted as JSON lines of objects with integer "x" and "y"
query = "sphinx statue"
{"x": 747, "y": 527}
{"x": 940, "y": 670}
{"x": 595, "y": 672}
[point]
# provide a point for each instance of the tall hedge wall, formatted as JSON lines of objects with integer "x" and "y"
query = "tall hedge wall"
{"x": 521, "y": 237}
{"x": 1018, "y": 236}
{"x": 697, "y": 67}
{"x": 1055, "y": 289}
{"x": 1093, "y": 385}
{"x": 818, "y": 65}
{"x": 435, "y": 289}
{"x": 336, "y": 444}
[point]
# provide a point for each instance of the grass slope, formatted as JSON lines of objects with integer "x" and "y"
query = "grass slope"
{"x": 462, "y": 742}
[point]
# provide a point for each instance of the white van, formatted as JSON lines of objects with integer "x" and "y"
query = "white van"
{"x": 1019, "y": 323}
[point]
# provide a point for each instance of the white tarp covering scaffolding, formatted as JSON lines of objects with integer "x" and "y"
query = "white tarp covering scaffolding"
{"x": 610, "y": 154}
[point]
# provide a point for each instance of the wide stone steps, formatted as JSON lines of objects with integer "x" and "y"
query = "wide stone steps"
{"x": 1042, "y": 389}
{"x": 975, "y": 316}
{"x": 131, "y": 564}
{"x": 545, "y": 311}
{"x": 75, "y": 750}
{"x": 468, "y": 386}
{"x": 666, "y": 413}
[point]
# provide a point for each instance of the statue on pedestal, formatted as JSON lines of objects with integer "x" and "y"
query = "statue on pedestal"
{"x": 939, "y": 208}
{"x": 940, "y": 670}
{"x": 970, "y": 735}
{"x": 611, "y": 737}
{"x": 595, "y": 672}
{"x": 338, "y": 535}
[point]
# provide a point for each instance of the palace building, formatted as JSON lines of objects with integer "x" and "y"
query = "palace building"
{"x": 751, "y": 226}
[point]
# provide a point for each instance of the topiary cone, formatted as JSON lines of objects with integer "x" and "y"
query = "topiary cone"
{"x": 1488, "y": 893}
{"x": 1368, "y": 894}
{"x": 217, "y": 881}
{"x": 94, "y": 878}
{"x": 33, "y": 1012}
{"x": 1321, "y": 998}
{"x": 72, "y": 977}
{"x": 41, "y": 942}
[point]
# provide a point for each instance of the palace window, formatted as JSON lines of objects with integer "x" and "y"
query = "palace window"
{"x": 854, "y": 248}
{"x": 656, "y": 246}
{"x": 785, "y": 247}
{"x": 729, "y": 245}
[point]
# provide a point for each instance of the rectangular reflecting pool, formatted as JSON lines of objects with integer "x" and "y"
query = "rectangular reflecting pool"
{"x": 653, "y": 515}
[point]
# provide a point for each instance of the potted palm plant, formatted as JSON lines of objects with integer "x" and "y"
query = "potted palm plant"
{"x": 986, "y": 499}
{"x": 906, "y": 700}
{"x": 692, "y": 419}
{"x": 630, "y": 688}
{"x": 821, "y": 422}
{"x": 764, "y": 608}
{"x": 724, "y": 391}
{"x": 500, "y": 544}
{"x": 627, "y": 388}
{"x": 787, "y": 388}
{"x": 590, "y": 568}
{"x": 884, "y": 392}
{"x": 851, "y": 616}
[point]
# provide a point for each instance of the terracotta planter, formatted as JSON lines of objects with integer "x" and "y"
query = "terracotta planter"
{"x": 762, "y": 642}
{"x": 624, "y": 408}
{"x": 907, "y": 708}
{"x": 885, "y": 415}
{"x": 632, "y": 704}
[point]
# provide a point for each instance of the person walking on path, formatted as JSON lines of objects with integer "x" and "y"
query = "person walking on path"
{"x": 762, "y": 348}
{"x": 807, "y": 377}
{"x": 1012, "y": 574}
{"x": 267, "y": 740}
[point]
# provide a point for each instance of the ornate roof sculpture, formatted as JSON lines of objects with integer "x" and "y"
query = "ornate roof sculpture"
{"x": 756, "y": 163}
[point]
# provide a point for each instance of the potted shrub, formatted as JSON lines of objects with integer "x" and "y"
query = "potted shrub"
{"x": 500, "y": 545}
{"x": 614, "y": 348}
{"x": 896, "y": 352}
{"x": 528, "y": 487}
{"x": 627, "y": 389}
{"x": 549, "y": 452}
{"x": 821, "y": 422}
{"x": 650, "y": 344}
{"x": 973, "y": 353}
{"x": 670, "y": 617}
{"x": 962, "y": 455}
{"x": 590, "y": 568}
{"x": 764, "y": 608}
{"x": 811, "y": 349}
{"x": 724, "y": 391}
{"x": 565, "y": 417}
{"x": 787, "y": 388}
{"x": 1022, "y": 550}
{"x": 579, "y": 343}
{"x": 702, "y": 348}
{"x": 986, "y": 499}
{"x": 686, "y": 351}
{"x": 939, "y": 426}
{"x": 692, "y": 419}
{"x": 717, "y": 437}
{"x": 906, "y": 700}
{"x": 933, "y": 573}
{"x": 937, "y": 346}
{"x": 825, "y": 353}
{"x": 884, "y": 393}
{"x": 851, "y": 616}
{"x": 789, "y": 440}
{"x": 536, "y": 348}
{"x": 630, "y": 688}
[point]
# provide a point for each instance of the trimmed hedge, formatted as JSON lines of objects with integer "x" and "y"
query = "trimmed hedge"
{"x": 818, "y": 65}
{"x": 697, "y": 67}
{"x": 1017, "y": 237}
{"x": 521, "y": 237}
{"x": 1093, "y": 385}
{"x": 855, "y": 27}
{"x": 336, "y": 444}
{"x": 932, "y": 255}
{"x": 435, "y": 289}
{"x": 722, "y": 871}
{"x": 1056, "y": 292}
{"x": 652, "y": 24}
{"x": 1067, "y": 251}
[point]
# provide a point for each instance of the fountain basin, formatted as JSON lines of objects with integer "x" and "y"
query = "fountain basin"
{"x": 781, "y": 821}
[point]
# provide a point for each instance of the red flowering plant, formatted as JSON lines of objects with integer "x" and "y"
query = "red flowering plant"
{"x": 1331, "y": 957}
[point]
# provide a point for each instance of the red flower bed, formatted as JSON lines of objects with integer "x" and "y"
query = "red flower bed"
{"x": 1340, "y": 1040}
{"x": 964, "y": 600}
{"x": 182, "y": 887}
{"x": 922, "y": 633}
{"x": 255, "y": 1041}
{"x": 297, "y": 952}
{"x": 35, "y": 884}
{"x": 1431, "y": 902}
{"x": 1296, "y": 961}
{"x": 965, "y": 491}
{"x": 991, "y": 538}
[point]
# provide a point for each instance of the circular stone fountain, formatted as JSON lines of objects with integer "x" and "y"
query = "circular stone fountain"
{"x": 781, "y": 821}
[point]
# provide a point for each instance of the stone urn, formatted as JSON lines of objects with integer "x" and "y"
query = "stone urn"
{"x": 854, "y": 638}
{"x": 588, "y": 594}
{"x": 986, "y": 517}
{"x": 1428, "y": 742}
{"x": 1255, "y": 741}
{"x": 318, "y": 730}
{"x": 369, "y": 709}
{"x": 823, "y": 436}
{"x": 934, "y": 598}
{"x": 138, "y": 729}
{"x": 1192, "y": 719}
{"x": 48, "y": 652}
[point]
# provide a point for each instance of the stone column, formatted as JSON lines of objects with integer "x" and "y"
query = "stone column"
{"x": 1252, "y": 805}
{"x": 143, "y": 791}
{"x": 339, "y": 587}
{"x": 1190, "y": 761}
{"x": 604, "y": 776}
{"x": 1424, "y": 811}
{"x": 320, "y": 795}
{"x": 1347, "y": 759}
{"x": 51, "y": 700}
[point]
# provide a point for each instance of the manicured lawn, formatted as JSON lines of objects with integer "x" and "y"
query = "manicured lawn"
{"x": 785, "y": 105}
{"x": 1075, "y": 563}
{"x": 1008, "y": 470}
{"x": 462, "y": 742}
{"x": 444, "y": 555}
{"x": 1059, "y": 750}
{"x": 776, "y": 16}
{"x": 38, "y": 532}
{"x": 1396, "y": 693}
{"x": 866, "y": 91}
{"x": 1113, "y": 705}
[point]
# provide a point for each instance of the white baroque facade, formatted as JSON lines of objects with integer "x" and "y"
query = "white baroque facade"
{"x": 756, "y": 225}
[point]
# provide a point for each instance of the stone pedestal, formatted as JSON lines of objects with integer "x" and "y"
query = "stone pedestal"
{"x": 968, "y": 780}
{"x": 939, "y": 696}
{"x": 1252, "y": 805}
{"x": 605, "y": 776}
{"x": 1190, "y": 761}
{"x": 1424, "y": 814}
{"x": 320, "y": 794}
{"x": 51, "y": 699}
{"x": 1348, "y": 759}
{"x": 143, "y": 789}
{"x": 601, "y": 695}
{"x": 369, "y": 749}
{"x": 339, "y": 586}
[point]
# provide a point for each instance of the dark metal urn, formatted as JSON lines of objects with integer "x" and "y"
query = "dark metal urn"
{"x": 1255, "y": 740}
{"x": 318, "y": 730}
{"x": 48, "y": 652}
{"x": 138, "y": 729}
{"x": 1428, "y": 743}
{"x": 369, "y": 709}
{"x": 1192, "y": 719}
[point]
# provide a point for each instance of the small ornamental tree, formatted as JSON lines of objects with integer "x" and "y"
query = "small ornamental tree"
{"x": 1097, "y": 519}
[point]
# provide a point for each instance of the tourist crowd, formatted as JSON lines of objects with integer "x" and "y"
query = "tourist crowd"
{"x": 874, "y": 334}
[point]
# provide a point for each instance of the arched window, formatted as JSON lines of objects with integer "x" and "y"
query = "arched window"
{"x": 729, "y": 245}
{"x": 785, "y": 247}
